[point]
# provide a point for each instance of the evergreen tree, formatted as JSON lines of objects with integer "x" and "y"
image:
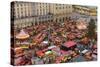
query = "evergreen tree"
{"x": 91, "y": 29}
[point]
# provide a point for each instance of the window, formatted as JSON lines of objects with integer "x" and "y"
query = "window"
{"x": 18, "y": 13}
{"x": 17, "y": 5}
{"x": 37, "y": 13}
{"x": 21, "y": 9}
{"x": 21, "y": 5}
{"x": 69, "y": 6}
{"x": 57, "y": 4}
{"x": 56, "y": 8}
{"x": 59, "y": 7}
{"x": 18, "y": 16}
{"x": 29, "y": 14}
{"x": 17, "y": 9}
{"x": 24, "y": 4}
{"x": 25, "y": 12}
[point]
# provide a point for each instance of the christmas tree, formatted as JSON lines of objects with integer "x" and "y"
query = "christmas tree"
{"x": 91, "y": 29}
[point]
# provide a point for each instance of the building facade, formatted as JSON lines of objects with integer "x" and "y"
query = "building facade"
{"x": 60, "y": 11}
{"x": 42, "y": 11}
{"x": 23, "y": 13}
{"x": 84, "y": 12}
{"x": 28, "y": 13}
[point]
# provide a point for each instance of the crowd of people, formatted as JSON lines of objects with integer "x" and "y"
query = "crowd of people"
{"x": 55, "y": 42}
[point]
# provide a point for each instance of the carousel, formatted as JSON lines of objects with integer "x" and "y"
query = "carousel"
{"x": 22, "y": 35}
{"x": 21, "y": 39}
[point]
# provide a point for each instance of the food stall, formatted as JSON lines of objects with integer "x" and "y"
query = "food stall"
{"x": 69, "y": 45}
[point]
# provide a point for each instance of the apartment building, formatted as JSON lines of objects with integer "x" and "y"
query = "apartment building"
{"x": 28, "y": 13}
{"x": 60, "y": 11}
{"x": 43, "y": 12}
{"x": 23, "y": 13}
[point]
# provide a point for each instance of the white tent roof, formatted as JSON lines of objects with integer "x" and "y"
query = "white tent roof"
{"x": 22, "y": 35}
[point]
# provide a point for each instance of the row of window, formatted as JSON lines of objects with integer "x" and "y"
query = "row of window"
{"x": 26, "y": 11}
{"x": 42, "y": 3}
{"x": 42, "y": 12}
{"x": 60, "y": 7}
{"x": 60, "y": 4}
{"x": 45, "y": 17}
{"x": 30, "y": 4}
{"x": 23, "y": 4}
{"x": 23, "y": 12}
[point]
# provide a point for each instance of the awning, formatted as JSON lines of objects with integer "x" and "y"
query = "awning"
{"x": 69, "y": 44}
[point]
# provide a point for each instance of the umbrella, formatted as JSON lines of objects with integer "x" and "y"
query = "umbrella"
{"x": 51, "y": 47}
{"x": 84, "y": 51}
{"x": 45, "y": 42}
{"x": 69, "y": 44}
{"x": 48, "y": 52}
